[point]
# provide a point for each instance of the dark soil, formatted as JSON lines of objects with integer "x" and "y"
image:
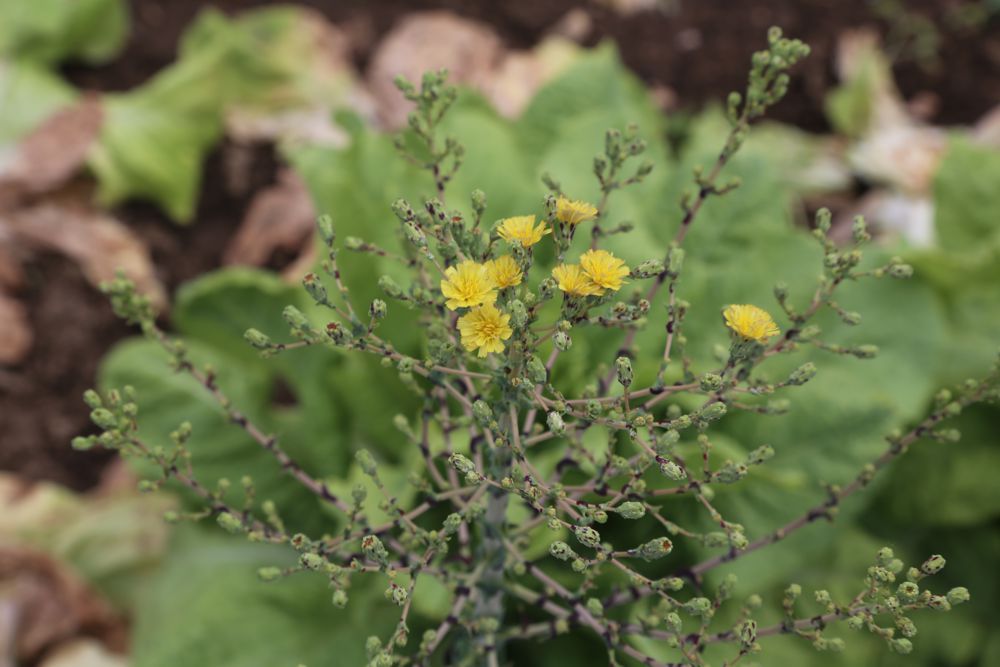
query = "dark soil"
{"x": 41, "y": 408}
{"x": 699, "y": 49}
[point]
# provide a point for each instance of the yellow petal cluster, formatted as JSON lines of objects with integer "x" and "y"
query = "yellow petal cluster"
{"x": 466, "y": 285}
{"x": 504, "y": 272}
{"x": 522, "y": 229}
{"x": 603, "y": 269}
{"x": 572, "y": 280}
{"x": 750, "y": 322}
{"x": 484, "y": 328}
{"x": 574, "y": 212}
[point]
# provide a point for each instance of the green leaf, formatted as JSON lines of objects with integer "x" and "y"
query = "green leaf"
{"x": 321, "y": 405}
{"x": 206, "y": 607}
{"x": 966, "y": 197}
{"x": 28, "y": 95}
{"x": 52, "y": 31}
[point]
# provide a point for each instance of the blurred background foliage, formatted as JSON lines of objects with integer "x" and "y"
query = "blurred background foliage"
{"x": 202, "y": 605}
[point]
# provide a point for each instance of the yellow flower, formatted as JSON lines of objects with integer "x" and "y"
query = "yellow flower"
{"x": 485, "y": 328}
{"x": 574, "y": 212}
{"x": 504, "y": 272}
{"x": 573, "y": 281}
{"x": 523, "y": 230}
{"x": 467, "y": 285}
{"x": 750, "y": 322}
{"x": 603, "y": 269}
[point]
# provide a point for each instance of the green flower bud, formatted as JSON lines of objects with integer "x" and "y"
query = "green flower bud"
{"x": 675, "y": 260}
{"x": 390, "y": 287}
{"x": 713, "y": 411}
{"x": 83, "y": 443}
{"x": 104, "y": 419}
{"x": 555, "y": 422}
{"x": 397, "y": 594}
{"x": 673, "y": 622}
{"x": 257, "y": 339}
{"x": 631, "y": 510}
{"x": 760, "y": 455}
{"x": 311, "y": 561}
{"x": 462, "y": 464}
{"x": 901, "y": 271}
{"x": 595, "y": 607}
{"x": 747, "y": 632}
{"x": 372, "y": 546}
{"x": 856, "y": 622}
{"x": 378, "y": 309}
{"x": 701, "y": 607}
{"x": 562, "y": 341}
{"x": 654, "y": 549}
{"x": 324, "y": 224}
{"x": 908, "y": 591}
{"x": 561, "y": 550}
{"x": 269, "y": 573}
{"x": 478, "y": 198}
{"x": 92, "y": 399}
{"x": 901, "y": 645}
{"x": 482, "y": 411}
{"x": 587, "y": 536}
{"x": 802, "y": 374}
{"x": 623, "y": 367}
{"x": 958, "y": 595}
{"x": 648, "y": 269}
{"x": 229, "y": 522}
{"x": 366, "y": 461}
{"x": 933, "y": 565}
{"x": 536, "y": 370}
{"x": 672, "y": 471}
{"x": 294, "y": 317}
{"x": 339, "y": 598}
{"x": 710, "y": 382}
{"x": 518, "y": 313}
{"x": 314, "y": 286}
{"x": 730, "y": 473}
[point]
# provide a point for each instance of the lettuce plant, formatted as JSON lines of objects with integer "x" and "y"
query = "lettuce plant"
{"x": 547, "y": 503}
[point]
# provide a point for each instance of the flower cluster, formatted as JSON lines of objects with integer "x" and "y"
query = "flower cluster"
{"x": 499, "y": 427}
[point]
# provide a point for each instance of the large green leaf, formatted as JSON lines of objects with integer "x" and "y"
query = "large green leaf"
{"x": 206, "y": 607}
{"x": 321, "y": 405}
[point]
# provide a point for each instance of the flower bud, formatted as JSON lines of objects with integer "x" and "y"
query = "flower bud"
{"x": 366, "y": 461}
{"x": 631, "y": 510}
{"x": 760, "y": 455}
{"x": 311, "y": 561}
{"x": 561, "y": 550}
{"x": 901, "y": 645}
{"x": 672, "y": 471}
{"x": 623, "y": 367}
{"x": 958, "y": 595}
{"x": 269, "y": 573}
{"x": 555, "y": 422}
{"x": 478, "y": 198}
{"x": 339, "y": 599}
{"x": 257, "y": 339}
{"x": 324, "y": 224}
{"x": 933, "y": 565}
{"x": 462, "y": 464}
{"x": 648, "y": 269}
{"x": 378, "y": 309}
{"x": 747, "y": 632}
{"x": 710, "y": 382}
{"x": 229, "y": 522}
{"x": 482, "y": 411}
{"x": 587, "y": 536}
{"x": 654, "y": 549}
{"x": 562, "y": 341}
{"x": 802, "y": 374}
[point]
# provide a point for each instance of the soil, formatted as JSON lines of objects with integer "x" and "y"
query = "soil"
{"x": 699, "y": 50}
